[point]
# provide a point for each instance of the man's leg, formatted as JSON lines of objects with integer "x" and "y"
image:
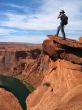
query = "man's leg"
{"x": 62, "y": 31}
{"x": 58, "y": 29}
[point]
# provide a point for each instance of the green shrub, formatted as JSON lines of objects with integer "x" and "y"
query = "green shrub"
{"x": 46, "y": 84}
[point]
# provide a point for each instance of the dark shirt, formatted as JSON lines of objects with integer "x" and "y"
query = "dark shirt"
{"x": 62, "y": 17}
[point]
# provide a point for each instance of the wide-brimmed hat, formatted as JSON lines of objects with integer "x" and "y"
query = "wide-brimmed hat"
{"x": 62, "y": 11}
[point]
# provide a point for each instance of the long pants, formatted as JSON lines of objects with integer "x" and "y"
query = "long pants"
{"x": 61, "y": 27}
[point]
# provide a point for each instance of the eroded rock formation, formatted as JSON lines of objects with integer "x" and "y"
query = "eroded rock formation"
{"x": 68, "y": 49}
{"x": 61, "y": 88}
{"x": 8, "y": 101}
{"x": 21, "y": 60}
{"x": 55, "y": 69}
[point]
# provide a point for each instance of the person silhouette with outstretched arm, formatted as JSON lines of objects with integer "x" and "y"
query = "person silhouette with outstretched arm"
{"x": 64, "y": 21}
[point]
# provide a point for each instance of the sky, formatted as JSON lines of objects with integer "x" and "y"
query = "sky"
{"x": 30, "y": 21}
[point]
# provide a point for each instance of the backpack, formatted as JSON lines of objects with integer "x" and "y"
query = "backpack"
{"x": 65, "y": 21}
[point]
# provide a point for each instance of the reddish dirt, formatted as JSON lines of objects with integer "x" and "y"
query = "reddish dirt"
{"x": 8, "y": 101}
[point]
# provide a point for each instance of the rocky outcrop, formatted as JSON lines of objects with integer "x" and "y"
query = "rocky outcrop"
{"x": 61, "y": 88}
{"x": 68, "y": 49}
{"x": 80, "y": 39}
{"x": 36, "y": 69}
{"x": 8, "y": 101}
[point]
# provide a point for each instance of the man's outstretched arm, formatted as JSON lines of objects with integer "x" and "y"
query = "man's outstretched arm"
{"x": 59, "y": 16}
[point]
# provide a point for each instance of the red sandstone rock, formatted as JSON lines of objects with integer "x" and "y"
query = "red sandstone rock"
{"x": 57, "y": 75}
{"x": 68, "y": 49}
{"x": 65, "y": 91}
{"x": 21, "y": 60}
{"x": 80, "y": 39}
{"x": 8, "y": 101}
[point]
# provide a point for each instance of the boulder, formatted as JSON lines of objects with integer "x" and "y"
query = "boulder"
{"x": 68, "y": 49}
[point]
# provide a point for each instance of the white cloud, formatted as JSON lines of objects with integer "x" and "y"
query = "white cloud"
{"x": 46, "y": 19}
{"x": 36, "y": 22}
{"x": 23, "y": 38}
{"x": 21, "y": 7}
{"x": 4, "y": 31}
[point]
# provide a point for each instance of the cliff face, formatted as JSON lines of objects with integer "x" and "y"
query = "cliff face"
{"x": 61, "y": 88}
{"x": 12, "y": 59}
{"x": 21, "y": 60}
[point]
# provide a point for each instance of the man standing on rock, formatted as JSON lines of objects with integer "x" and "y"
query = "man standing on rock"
{"x": 64, "y": 21}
